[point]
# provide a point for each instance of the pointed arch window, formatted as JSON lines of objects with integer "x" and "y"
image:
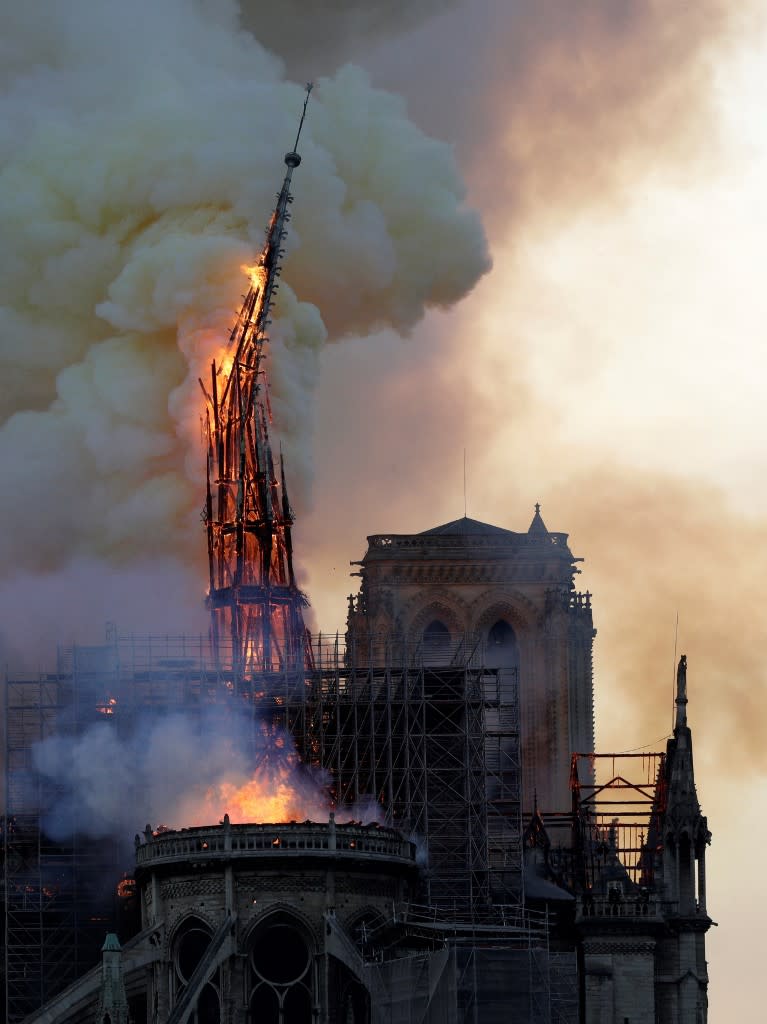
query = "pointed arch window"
{"x": 280, "y": 962}
{"x": 502, "y": 647}
{"x": 436, "y": 643}
{"x": 189, "y": 947}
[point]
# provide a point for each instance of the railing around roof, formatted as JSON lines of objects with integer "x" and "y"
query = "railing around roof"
{"x": 381, "y": 543}
{"x": 225, "y": 842}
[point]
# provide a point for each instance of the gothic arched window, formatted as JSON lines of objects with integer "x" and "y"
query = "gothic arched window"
{"x": 189, "y": 947}
{"x": 280, "y": 962}
{"x": 502, "y": 649}
{"x": 436, "y": 643}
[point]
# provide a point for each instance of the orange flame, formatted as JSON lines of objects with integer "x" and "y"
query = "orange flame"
{"x": 224, "y": 357}
{"x": 277, "y": 792}
{"x": 126, "y": 888}
{"x": 256, "y": 275}
{"x": 272, "y": 796}
{"x": 259, "y": 800}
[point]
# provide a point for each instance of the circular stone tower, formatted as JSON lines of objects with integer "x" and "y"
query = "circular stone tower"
{"x": 263, "y": 923}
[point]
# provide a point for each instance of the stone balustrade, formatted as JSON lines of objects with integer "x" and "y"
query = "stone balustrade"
{"x": 626, "y": 907}
{"x": 229, "y": 842}
{"x": 503, "y": 538}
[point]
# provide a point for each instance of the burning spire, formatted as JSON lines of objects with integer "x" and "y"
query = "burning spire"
{"x": 255, "y": 604}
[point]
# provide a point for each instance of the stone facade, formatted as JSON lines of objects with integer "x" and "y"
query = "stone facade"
{"x": 468, "y": 583}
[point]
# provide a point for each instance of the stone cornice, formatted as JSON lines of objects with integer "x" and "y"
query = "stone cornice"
{"x": 435, "y": 574}
{"x": 395, "y": 546}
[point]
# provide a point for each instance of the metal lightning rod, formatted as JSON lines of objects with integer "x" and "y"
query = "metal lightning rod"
{"x": 673, "y": 673}
{"x": 465, "y": 505}
{"x": 309, "y": 87}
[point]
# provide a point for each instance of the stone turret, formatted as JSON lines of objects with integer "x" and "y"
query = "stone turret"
{"x": 113, "y": 1002}
{"x": 641, "y": 923}
{"x": 682, "y": 975}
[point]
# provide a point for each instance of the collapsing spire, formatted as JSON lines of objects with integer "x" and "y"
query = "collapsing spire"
{"x": 254, "y": 602}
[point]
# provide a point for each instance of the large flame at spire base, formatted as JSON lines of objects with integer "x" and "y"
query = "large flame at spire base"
{"x": 266, "y": 798}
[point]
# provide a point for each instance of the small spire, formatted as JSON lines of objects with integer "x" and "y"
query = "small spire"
{"x": 111, "y": 944}
{"x": 681, "y": 694}
{"x": 537, "y": 526}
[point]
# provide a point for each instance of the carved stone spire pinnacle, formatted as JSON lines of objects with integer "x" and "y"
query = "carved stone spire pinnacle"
{"x": 537, "y": 527}
{"x": 681, "y": 694}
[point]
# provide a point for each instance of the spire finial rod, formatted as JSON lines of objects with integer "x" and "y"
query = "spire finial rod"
{"x": 309, "y": 87}
{"x": 465, "y": 503}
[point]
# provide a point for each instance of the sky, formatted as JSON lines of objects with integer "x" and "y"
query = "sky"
{"x": 609, "y": 365}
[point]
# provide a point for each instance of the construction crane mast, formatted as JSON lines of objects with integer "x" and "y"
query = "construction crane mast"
{"x": 255, "y": 604}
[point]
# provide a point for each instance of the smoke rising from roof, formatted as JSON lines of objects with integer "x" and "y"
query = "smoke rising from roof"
{"x": 177, "y": 770}
{"x": 141, "y": 150}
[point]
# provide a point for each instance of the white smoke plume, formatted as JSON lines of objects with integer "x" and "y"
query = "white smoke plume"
{"x": 141, "y": 146}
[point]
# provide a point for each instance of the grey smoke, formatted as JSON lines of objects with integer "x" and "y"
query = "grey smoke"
{"x": 313, "y": 37}
{"x": 171, "y": 769}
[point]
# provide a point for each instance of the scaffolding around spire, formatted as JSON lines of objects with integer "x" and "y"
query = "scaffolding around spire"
{"x": 255, "y": 604}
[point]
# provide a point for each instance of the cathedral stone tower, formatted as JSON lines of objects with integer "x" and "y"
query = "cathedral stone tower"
{"x": 467, "y": 585}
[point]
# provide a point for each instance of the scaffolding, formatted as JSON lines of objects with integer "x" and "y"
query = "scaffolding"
{"x": 503, "y": 969}
{"x": 436, "y": 742}
{"x": 432, "y": 739}
{"x": 617, "y": 820}
{"x": 58, "y": 893}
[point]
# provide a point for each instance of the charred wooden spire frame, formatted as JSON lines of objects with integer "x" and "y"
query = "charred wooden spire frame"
{"x": 255, "y": 604}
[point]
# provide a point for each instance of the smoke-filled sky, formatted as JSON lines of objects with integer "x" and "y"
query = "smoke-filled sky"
{"x": 613, "y": 155}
